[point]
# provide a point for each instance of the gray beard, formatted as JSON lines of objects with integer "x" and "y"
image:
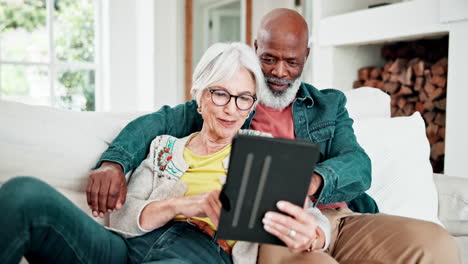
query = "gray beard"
{"x": 278, "y": 100}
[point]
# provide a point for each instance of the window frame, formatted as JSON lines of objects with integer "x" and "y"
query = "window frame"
{"x": 54, "y": 66}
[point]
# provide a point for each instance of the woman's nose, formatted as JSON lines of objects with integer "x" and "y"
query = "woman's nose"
{"x": 231, "y": 106}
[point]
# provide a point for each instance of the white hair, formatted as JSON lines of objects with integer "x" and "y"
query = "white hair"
{"x": 219, "y": 63}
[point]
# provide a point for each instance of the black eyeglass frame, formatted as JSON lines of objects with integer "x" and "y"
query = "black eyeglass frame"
{"x": 211, "y": 90}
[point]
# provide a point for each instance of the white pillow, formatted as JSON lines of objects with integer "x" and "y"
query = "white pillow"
{"x": 57, "y": 146}
{"x": 367, "y": 102}
{"x": 402, "y": 178}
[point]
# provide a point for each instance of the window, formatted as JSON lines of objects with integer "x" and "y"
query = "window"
{"x": 48, "y": 53}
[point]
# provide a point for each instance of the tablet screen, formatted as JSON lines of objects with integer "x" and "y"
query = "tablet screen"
{"x": 261, "y": 172}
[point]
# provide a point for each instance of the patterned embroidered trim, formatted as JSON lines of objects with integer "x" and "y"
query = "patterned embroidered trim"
{"x": 165, "y": 155}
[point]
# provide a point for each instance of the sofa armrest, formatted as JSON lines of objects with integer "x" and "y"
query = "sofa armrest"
{"x": 453, "y": 203}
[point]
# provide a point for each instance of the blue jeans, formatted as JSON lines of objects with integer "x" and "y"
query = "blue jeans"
{"x": 41, "y": 224}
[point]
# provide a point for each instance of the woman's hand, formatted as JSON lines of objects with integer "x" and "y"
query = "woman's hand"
{"x": 296, "y": 228}
{"x": 157, "y": 214}
{"x": 200, "y": 205}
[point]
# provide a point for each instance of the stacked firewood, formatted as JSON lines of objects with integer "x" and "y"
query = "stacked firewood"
{"x": 415, "y": 85}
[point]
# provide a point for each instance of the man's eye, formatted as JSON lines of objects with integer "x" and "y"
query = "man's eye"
{"x": 292, "y": 63}
{"x": 268, "y": 60}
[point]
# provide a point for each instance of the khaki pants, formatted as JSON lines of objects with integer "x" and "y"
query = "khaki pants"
{"x": 379, "y": 238}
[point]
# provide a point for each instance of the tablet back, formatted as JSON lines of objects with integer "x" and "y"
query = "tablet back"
{"x": 261, "y": 172}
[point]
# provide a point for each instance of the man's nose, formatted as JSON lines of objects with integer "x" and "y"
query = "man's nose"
{"x": 280, "y": 71}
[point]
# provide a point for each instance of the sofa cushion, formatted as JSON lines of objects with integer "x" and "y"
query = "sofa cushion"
{"x": 367, "y": 102}
{"x": 453, "y": 203}
{"x": 402, "y": 182}
{"x": 57, "y": 146}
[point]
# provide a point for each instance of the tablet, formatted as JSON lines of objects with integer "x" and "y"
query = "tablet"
{"x": 261, "y": 172}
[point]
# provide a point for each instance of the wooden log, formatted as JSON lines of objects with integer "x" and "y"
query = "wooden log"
{"x": 441, "y": 132}
{"x": 419, "y": 107}
{"x": 398, "y": 112}
{"x": 432, "y": 129}
{"x": 388, "y": 65}
{"x": 409, "y": 76}
{"x": 432, "y": 132}
{"x": 358, "y": 83}
{"x": 393, "y": 110}
{"x": 401, "y": 102}
{"x": 374, "y": 83}
{"x": 439, "y": 81}
{"x": 398, "y": 65}
{"x": 429, "y": 87}
{"x": 436, "y": 94}
{"x": 405, "y": 76}
{"x": 429, "y": 117}
{"x": 433, "y": 138}
{"x": 412, "y": 99}
{"x": 376, "y": 72}
{"x": 364, "y": 73}
{"x": 394, "y": 77}
{"x": 418, "y": 83}
{"x": 440, "y": 67}
{"x": 385, "y": 76}
{"x": 391, "y": 87}
{"x": 405, "y": 90}
{"x": 441, "y": 104}
{"x": 418, "y": 68}
{"x": 428, "y": 105}
{"x": 408, "y": 109}
{"x": 440, "y": 119}
{"x": 437, "y": 150}
{"x": 423, "y": 96}
{"x": 413, "y": 61}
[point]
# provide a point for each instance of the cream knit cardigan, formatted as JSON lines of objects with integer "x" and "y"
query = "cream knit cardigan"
{"x": 158, "y": 178}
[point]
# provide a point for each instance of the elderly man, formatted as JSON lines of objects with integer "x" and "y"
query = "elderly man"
{"x": 291, "y": 109}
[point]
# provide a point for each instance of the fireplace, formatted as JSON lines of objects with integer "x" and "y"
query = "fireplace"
{"x": 350, "y": 35}
{"x": 415, "y": 76}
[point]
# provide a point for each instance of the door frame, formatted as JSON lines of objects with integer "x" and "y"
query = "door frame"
{"x": 246, "y": 35}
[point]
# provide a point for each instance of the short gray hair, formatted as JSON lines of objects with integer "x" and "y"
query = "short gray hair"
{"x": 220, "y": 61}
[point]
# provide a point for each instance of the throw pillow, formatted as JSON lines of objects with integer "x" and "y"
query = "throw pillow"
{"x": 402, "y": 178}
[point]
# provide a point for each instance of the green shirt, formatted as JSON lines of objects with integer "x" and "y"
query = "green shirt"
{"x": 319, "y": 116}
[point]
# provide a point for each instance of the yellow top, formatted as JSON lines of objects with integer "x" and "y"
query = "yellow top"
{"x": 203, "y": 175}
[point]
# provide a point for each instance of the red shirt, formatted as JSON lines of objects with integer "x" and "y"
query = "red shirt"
{"x": 280, "y": 124}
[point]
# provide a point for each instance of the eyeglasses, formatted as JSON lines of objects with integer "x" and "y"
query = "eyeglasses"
{"x": 221, "y": 97}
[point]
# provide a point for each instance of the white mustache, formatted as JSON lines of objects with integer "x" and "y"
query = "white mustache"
{"x": 277, "y": 80}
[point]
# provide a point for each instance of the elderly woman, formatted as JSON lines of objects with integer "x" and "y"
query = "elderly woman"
{"x": 172, "y": 207}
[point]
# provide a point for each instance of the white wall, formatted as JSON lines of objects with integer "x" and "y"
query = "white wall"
{"x": 119, "y": 56}
{"x": 169, "y": 52}
{"x": 261, "y": 7}
{"x": 143, "y": 43}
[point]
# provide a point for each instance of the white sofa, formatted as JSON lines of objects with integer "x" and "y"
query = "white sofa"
{"x": 60, "y": 147}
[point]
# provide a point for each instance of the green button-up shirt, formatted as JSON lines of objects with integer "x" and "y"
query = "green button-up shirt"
{"x": 319, "y": 116}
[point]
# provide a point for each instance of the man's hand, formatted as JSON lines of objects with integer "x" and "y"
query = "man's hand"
{"x": 107, "y": 189}
{"x": 296, "y": 228}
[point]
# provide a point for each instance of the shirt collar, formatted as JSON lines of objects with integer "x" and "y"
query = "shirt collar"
{"x": 305, "y": 96}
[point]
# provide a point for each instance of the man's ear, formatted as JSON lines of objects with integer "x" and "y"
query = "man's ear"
{"x": 307, "y": 53}
{"x": 255, "y": 45}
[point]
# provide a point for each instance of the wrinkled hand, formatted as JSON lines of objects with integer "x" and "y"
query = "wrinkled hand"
{"x": 106, "y": 189}
{"x": 315, "y": 184}
{"x": 295, "y": 218}
{"x": 201, "y": 205}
